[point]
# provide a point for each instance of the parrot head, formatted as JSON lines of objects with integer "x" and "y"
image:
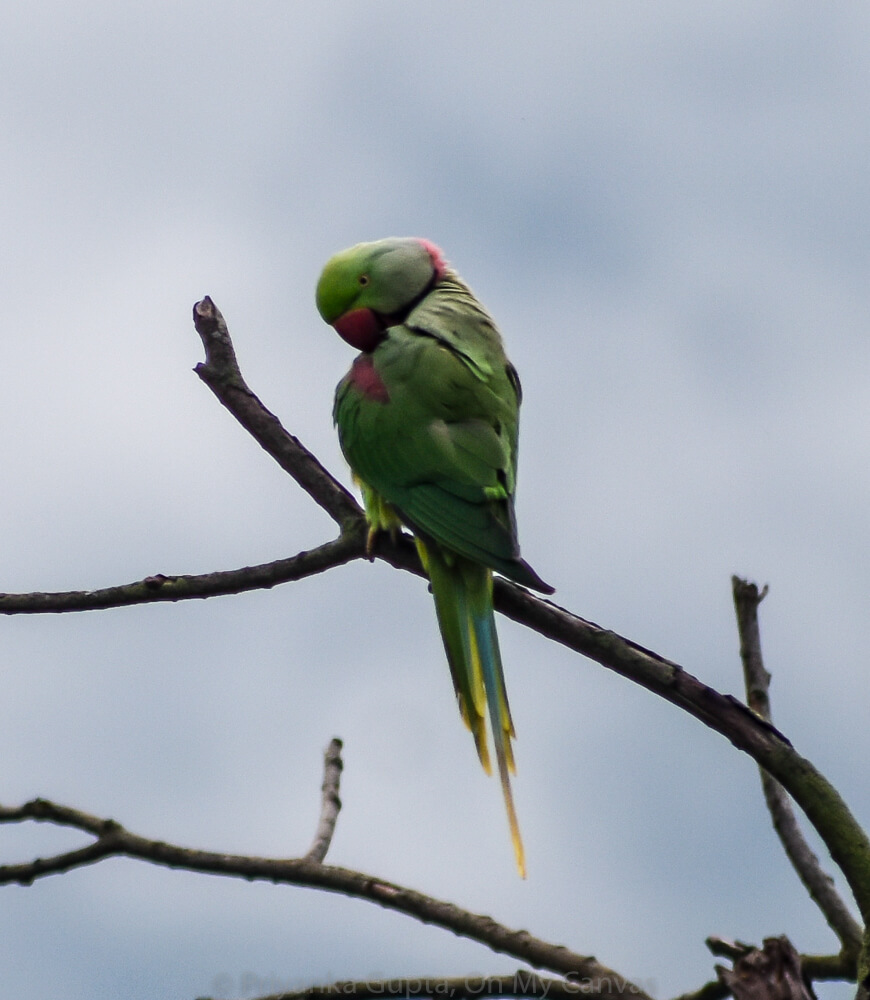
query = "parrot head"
{"x": 371, "y": 286}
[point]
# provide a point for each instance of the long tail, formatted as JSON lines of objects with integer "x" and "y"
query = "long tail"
{"x": 463, "y": 601}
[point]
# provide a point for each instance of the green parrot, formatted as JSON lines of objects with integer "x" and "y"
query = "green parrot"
{"x": 427, "y": 419}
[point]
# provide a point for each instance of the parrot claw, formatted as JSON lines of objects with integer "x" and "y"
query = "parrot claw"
{"x": 371, "y": 538}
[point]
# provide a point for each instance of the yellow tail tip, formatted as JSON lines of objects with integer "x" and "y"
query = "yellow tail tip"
{"x": 513, "y": 823}
{"x": 520, "y": 855}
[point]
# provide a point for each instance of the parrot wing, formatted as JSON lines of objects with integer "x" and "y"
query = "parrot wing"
{"x": 441, "y": 447}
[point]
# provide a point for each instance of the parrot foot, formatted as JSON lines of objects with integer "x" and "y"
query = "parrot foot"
{"x": 371, "y": 538}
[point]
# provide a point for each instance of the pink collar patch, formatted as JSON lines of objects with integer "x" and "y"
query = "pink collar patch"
{"x": 437, "y": 257}
{"x": 366, "y": 380}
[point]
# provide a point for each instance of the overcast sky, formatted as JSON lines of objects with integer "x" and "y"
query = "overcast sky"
{"x": 665, "y": 206}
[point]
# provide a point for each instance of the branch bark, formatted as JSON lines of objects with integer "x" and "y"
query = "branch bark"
{"x": 330, "y": 804}
{"x": 823, "y": 805}
{"x": 222, "y": 375}
{"x": 161, "y": 587}
{"x": 772, "y": 972}
{"x": 817, "y": 882}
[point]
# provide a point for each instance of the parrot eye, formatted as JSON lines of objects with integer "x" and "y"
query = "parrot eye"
{"x": 363, "y": 279}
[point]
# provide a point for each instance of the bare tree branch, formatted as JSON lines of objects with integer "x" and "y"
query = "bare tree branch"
{"x": 222, "y": 375}
{"x": 330, "y": 802}
{"x": 817, "y": 882}
{"x": 747, "y": 731}
{"x": 113, "y": 840}
{"x": 160, "y": 587}
{"x": 820, "y": 968}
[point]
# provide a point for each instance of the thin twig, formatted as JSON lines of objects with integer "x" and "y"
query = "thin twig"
{"x": 330, "y": 802}
{"x": 113, "y": 840}
{"x": 817, "y": 882}
{"x": 160, "y": 587}
{"x": 723, "y": 948}
{"x": 222, "y": 375}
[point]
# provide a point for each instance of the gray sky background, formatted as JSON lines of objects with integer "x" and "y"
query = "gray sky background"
{"x": 665, "y": 205}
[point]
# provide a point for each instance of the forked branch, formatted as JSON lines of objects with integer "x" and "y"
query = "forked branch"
{"x": 112, "y": 840}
